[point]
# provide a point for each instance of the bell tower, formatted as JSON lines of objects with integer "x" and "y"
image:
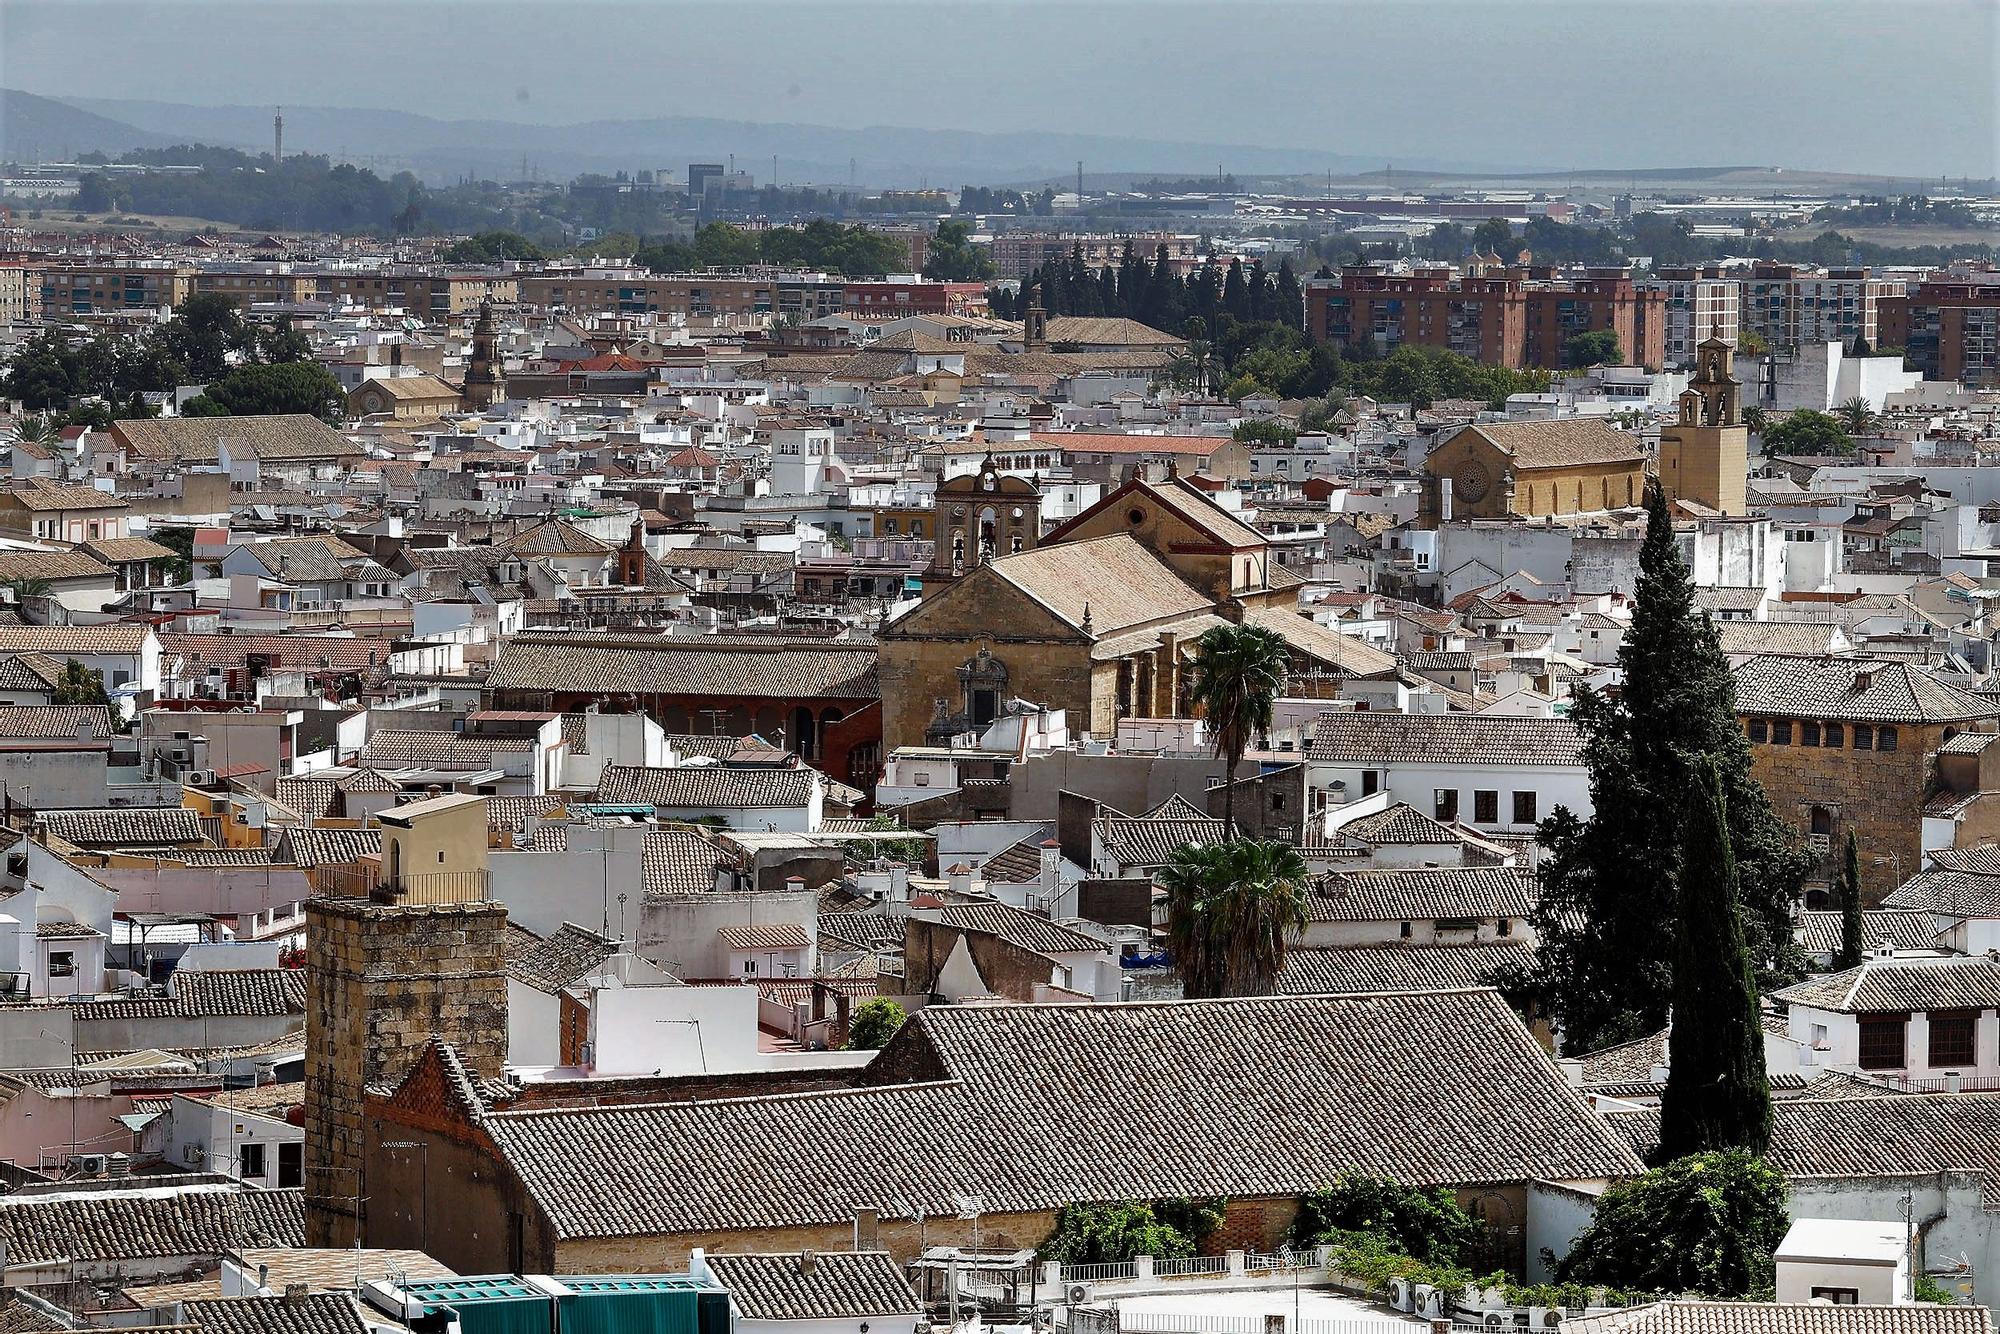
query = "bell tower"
{"x": 1705, "y": 454}
{"x": 483, "y": 383}
{"x": 1035, "y": 323}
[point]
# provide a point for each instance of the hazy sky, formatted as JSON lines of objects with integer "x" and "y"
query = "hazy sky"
{"x": 1853, "y": 85}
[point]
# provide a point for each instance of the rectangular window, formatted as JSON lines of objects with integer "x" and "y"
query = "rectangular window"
{"x": 1781, "y": 732}
{"x": 1864, "y": 737}
{"x": 1524, "y": 808}
{"x": 1952, "y": 1037}
{"x": 1808, "y": 734}
{"x": 1369, "y": 782}
{"x": 1485, "y": 807}
{"x": 1759, "y": 731}
{"x": 1444, "y": 803}
{"x": 1882, "y": 1041}
{"x": 1833, "y": 737}
{"x": 1837, "y": 1296}
{"x": 1885, "y": 738}
{"x": 250, "y": 1160}
{"x": 291, "y": 1165}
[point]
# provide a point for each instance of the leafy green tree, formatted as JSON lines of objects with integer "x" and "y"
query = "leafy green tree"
{"x": 1263, "y": 431}
{"x": 1855, "y": 416}
{"x": 1608, "y": 914}
{"x": 953, "y": 258}
{"x": 280, "y": 344}
{"x": 873, "y": 1023}
{"x": 1239, "y": 671}
{"x": 45, "y": 372}
{"x": 1232, "y": 909}
{"x": 1851, "y": 945}
{"x": 1429, "y": 1225}
{"x": 1755, "y": 418}
{"x": 1807, "y": 431}
{"x": 255, "y": 391}
{"x": 1593, "y": 347}
{"x": 93, "y": 195}
{"x": 1718, "y": 1094}
{"x": 202, "y": 334}
{"x": 1099, "y": 1234}
{"x": 1706, "y": 1224}
{"x": 492, "y": 247}
{"x": 79, "y": 684}
{"x": 1494, "y": 236}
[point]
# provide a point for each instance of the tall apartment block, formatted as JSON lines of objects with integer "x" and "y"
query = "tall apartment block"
{"x": 1700, "y": 303}
{"x": 1948, "y": 326}
{"x": 1788, "y": 304}
{"x": 1515, "y": 317}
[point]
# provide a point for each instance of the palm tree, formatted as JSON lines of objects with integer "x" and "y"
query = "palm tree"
{"x": 34, "y": 429}
{"x": 1232, "y": 910}
{"x": 1238, "y": 672}
{"x": 1755, "y": 418}
{"x": 26, "y": 589}
{"x": 1855, "y": 415}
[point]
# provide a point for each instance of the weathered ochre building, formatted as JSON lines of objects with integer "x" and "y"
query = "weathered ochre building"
{"x": 1529, "y": 470}
{"x": 1704, "y": 455}
{"x": 1100, "y": 620}
{"x": 1846, "y": 744}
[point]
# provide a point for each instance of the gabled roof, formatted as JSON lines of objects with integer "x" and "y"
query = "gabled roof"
{"x": 1868, "y": 690}
{"x": 307, "y": 1313}
{"x": 1311, "y": 972}
{"x": 1423, "y": 894}
{"x": 1396, "y": 1085}
{"x": 560, "y": 959}
{"x": 687, "y": 665}
{"x": 1020, "y": 928}
{"x": 1568, "y": 443}
{"x": 1902, "y": 986}
{"x": 706, "y": 787}
{"x": 147, "y": 1223}
{"x": 1820, "y": 931}
{"x": 1177, "y": 497}
{"x": 1818, "y": 1317}
{"x": 1116, "y": 579}
{"x": 1370, "y": 737}
{"x": 193, "y": 439}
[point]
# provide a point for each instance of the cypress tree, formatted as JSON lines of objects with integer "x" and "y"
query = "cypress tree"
{"x": 1850, "y": 907}
{"x": 1718, "y": 1096}
{"x": 1236, "y": 292}
{"x": 1131, "y": 284}
{"x": 1608, "y": 916}
{"x": 1164, "y": 290}
{"x": 1291, "y": 297}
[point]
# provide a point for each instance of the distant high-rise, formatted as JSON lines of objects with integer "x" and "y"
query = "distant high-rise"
{"x": 278, "y": 137}
{"x": 699, "y": 175}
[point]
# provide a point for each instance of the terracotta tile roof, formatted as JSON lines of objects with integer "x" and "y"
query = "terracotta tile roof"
{"x": 1557, "y": 444}
{"x": 1982, "y": 859}
{"x": 29, "y": 672}
{"x": 1819, "y": 932}
{"x": 1368, "y": 737}
{"x": 1167, "y": 1074}
{"x": 1397, "y": 968}
{"x": 706, "y": 787}
{"x": 1401, "y": 823}
{"x": 1902, "y": 986}
{"x": 1699, "y": 1317}
{"x": 310, "y": 847}
{"x": 193, "y": 439}
{"x": 1108, "y": 330}
{"x": 124, "y": 826}
{"x": 863, "y": 930}
{"x": 1104, "y": 442}
{"x": 1020, "y": 928}
{"x": 52, "y": 565}
{"x": 558, "y": 960}
{"x": 147, "y": 1224}
{"x": 54, "y": 721}
{"x": 309, "y": 653}
{"x": 1150, "y": 839}
{"x": 1423, "y": 894}
{"x": 1117, "y": 579}
{"x": 769, "y": 936}
{"x": 59, "y": 496}
{"x": 1856, "y": 689}
{"x": 62, "y": 640}
{"x": 311, "y": 1313}
{"x": 830, "y": 1285}
{"x": 691, "y": 665}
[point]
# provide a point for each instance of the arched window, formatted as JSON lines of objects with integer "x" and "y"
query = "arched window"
{"x": 1822, "y": 821}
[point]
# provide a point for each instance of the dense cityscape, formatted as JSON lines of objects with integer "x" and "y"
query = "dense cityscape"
{"x": 665, "y": 724}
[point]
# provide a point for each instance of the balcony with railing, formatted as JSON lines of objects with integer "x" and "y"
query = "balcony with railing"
{"x": 365, "y": 880}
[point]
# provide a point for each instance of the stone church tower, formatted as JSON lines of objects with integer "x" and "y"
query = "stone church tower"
{"x": 1705, "y": 454}
{"x": 484, "y": 385}
{"x": 978, "y": 518}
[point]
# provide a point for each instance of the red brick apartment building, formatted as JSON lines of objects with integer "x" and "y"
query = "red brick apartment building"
{"x": 1513, "y": 317}
{"x": 1948, "y": 326}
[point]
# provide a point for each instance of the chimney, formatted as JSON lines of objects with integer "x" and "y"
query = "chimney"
{"x": 1954, "y": 1081}
{"x": 795, "y": 884}
{"x": 808, "y": 1262}
{"x": 263, "y": 1277}
{"x": 958, "y": 877}
{"x": 1051, "y": 858}
{"x": 295, "y": 1294}
{"x": 866, "y": 1225}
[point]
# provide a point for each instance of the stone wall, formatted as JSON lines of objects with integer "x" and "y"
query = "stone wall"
{"x": 381, "y": 980}
{"x": 1877, "y": 794}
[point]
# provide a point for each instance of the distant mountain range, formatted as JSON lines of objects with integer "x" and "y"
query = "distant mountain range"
{"x": 34, "y": 127}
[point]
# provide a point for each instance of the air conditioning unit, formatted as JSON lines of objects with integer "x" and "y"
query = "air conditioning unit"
{"x": 1430, "y": 1303}
{"x": 89, "y": 1164}
{"x": 1078, "y": 1293}
{"x": 1544, "y": 1317}
{"x": 1402, "y": 1294}
{"x": 1496, "y": 1319}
